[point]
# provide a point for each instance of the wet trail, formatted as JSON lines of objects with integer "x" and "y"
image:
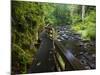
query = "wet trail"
{"x": 44, "y": 61}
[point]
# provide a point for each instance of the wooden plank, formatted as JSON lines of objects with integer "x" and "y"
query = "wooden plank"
{"x": 58, "y": 63}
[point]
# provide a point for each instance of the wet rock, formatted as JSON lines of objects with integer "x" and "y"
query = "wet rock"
{"x": 81, "y": 48}
{"x": 81, "y": 53}
{"x": 87, "y": 67}
{"x": 93, "y": 55}
{"x": 82, "y": 61}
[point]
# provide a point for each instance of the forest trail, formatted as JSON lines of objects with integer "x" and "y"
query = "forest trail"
{"x": 44, "y": 58}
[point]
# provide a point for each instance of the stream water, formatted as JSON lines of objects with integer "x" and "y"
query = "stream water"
{"x": 84, "y": 50}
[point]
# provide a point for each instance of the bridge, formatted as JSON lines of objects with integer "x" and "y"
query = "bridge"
{"x": 53, "y": 56}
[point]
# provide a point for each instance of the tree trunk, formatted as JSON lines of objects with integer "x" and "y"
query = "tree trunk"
{"x": 83, "y": 12}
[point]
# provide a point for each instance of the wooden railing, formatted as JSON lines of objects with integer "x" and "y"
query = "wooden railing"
{"x": 65, "y": 60}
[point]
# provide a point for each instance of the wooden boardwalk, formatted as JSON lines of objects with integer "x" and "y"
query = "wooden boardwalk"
{"x": 44, "y": 58}
{"x": 47, "y": 57}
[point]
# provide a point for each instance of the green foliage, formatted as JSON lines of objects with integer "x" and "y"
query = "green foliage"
{"x": 61, "y": 14}
{"x": 20, "y": 58}
{"x": 87, "y": 28}
{"x": 26, "y": 21}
